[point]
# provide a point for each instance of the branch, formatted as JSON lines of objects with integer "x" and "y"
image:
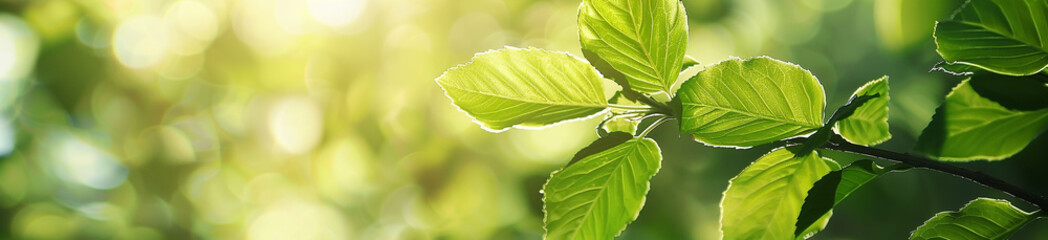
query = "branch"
{"x": 926, "y": 163}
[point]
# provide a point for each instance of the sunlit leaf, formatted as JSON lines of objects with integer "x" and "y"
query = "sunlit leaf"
{"x": 606, "y": 142}
{"x": 1003, "y": 36}
{"x": 868, "y": 125}
{"x": 621, "y": 124}
{"x": 596, "y": 197}
{"x": 969, "y": 126}
{"x": 745, "y": 103}
{"x": 831, "y": 190}
{"x": 765, "y": 199}
{"x": 982, "y": 218}
{"x": 815, "y": 227}
{"x": 524, "y": 87}
{"x": 643, "y": 39}
{"x": 826, "y": 132}
{"x": 688, "y": 63}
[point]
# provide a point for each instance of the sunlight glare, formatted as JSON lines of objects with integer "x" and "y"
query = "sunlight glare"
{"x": 295, "y": 125}
{"x": 141, "y": 41}
{"x": 78, "y": 162}
{"x": 336, "y": 13}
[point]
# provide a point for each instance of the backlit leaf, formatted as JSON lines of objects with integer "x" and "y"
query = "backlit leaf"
{"x": 833, "y": 188}
{"x": 643, "y": 39}
{"x": 765, "y": 199}
{"x": 868, "y": 125}
{"x": 744, "y": 103}
{"x": 524, "y": 88}
{"x": 982, "y": 218}
{"x": 1003, "y": 36}
{"x": 969, "y": 126}
{"x": 596, "y": 197}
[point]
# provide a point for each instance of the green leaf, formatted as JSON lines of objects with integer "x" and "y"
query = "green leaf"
{"x": 622, "y": 120}
{"x": 621, "y": 124}
{"x": 982, "y": 218}
{"x": 764, "y": 200}
{"x": 826, "y": 132}
{"x": 688, "y": 63}
{"x": 643, "y": 39}
{"x": 832, "y": 189}
{"x": 601, "y": 144}
{"x": 1008, "y": 37}
{"x": 514, "y": 87}
{"x": 596, "y": 197}
{"x": 868, "y": 125}
{"x": 1027, "y": 93}
{"x": 743, "y": 103}
{"x": 968, "y": 126}
{"x": 816, "y": 227}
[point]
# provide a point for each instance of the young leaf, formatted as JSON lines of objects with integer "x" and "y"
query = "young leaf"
{"x": 825, "y": 133}
{"x": 969, "y": 126}
{"x": 524, "y": 88}
{"x": 621, "y": 124}
{"x": 764, "y": 200}
{"x": 868, "y": 125}
{"x": 643, "y": 39}
{"x": 832, "y": 189}
{"x": 744, "y": 103}
{"x": 982, "y": 218}
{"x": 596, "y": 197}
{"x": 688, "y": 63}
{"x": 1008, "y": 37}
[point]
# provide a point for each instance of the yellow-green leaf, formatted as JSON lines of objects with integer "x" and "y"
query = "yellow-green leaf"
{"x": 596, "y": 197}
{"x": 982, "y": 218}
{"x": 743, "y": 103}
{"x": 868, "y": 125}
{"x": 645, "y": 40}
{"x": 524, "y": 88}
{"x": 765, "y": 199}
{"x": 969, "y": 126}
{"x": 1003, "y": 36}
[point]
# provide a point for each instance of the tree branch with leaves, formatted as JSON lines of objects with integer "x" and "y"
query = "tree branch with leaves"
{"x": 789, "y": 193}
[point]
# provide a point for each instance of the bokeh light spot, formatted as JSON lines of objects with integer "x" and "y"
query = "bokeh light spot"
{"x": 256, "y": 24}
{"x": 336, "y": 13}
{"x": 193, "y": 25}
{"x": 296, "y": 219}
{"x": 295, "y": 125}
{"x": 18, "y": 48}
{"x": 76, "y": 161}
{"x": 193, "y": 19}
{"x": 141, "y": 41}
{"x": 7, "y": 137}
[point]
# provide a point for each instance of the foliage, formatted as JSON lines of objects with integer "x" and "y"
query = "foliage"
{"x": 789, "y": 192}
{"x": 596, "y": 197}
{"x": 771, "y": 189}
{"x": 982, "y": 218}
{"x": 524, "y": 87}
{"x": 718, "y": 107}
{"x": 1008, "y": 37}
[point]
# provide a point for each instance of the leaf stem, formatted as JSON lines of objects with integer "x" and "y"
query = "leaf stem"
{"x": 628, "y": 107}
{"x": 926, "y": 163}
{"x": 658, "y": 106}
{"x": 654, "y": 125}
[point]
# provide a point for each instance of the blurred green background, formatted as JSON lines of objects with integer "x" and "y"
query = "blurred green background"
{"x": 320, "y": 119}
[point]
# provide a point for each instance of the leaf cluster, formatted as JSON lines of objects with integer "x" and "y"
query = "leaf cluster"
{"x": 789, "y": 193}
